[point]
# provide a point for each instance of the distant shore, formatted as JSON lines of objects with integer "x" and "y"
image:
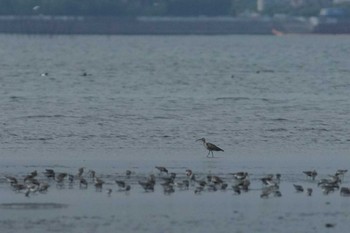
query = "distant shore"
{"x": 131, "y": 26}
{"x": 42, "y": 24}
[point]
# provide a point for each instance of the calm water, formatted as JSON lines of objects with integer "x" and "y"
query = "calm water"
{"x": 274, "y": 104}
{"x": 163, "y": 92}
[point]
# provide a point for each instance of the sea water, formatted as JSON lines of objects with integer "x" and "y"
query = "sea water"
{"x": 112, "y": 103}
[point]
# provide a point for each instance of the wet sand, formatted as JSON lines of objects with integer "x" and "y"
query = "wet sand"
{"x": 69, "y": 208}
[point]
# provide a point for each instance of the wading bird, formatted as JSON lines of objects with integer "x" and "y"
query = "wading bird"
{"x": 210, "y": 147}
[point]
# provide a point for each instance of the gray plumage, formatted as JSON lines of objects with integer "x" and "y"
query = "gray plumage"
{"x": 210, "y": 147}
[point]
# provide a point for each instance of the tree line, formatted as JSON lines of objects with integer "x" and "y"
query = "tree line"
{"x": 117, "y": 7}
{"x": 130, "y": 8}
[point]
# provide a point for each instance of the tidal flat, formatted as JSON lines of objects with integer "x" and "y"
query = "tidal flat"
{"x": 69, "y": 207}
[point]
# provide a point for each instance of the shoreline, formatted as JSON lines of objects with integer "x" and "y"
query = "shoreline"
{"x": 72, "y": 25}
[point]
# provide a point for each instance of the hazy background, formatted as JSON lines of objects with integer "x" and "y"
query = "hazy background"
{"x": 130, "y": 8}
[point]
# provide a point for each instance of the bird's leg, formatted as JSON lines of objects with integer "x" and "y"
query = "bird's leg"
{"x": 212, "y": 154}
{"x": 208, "y": 154}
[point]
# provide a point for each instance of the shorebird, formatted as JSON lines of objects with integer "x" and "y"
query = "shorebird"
{"x": 268, "y": 180}
{"x": 43, "y": 187}
{"x": 148, "y": 184}
{"x": 109, "y": 191}
{"x": 341, "y": 172}
{"x": 127, "y": 188}
{"x": 80, "y": 171}
{"x": 98, "y": 183}
{"x": 239, "y": 175}
{"x": 191, "y": 176}
{"x": 236, "y": 189}
{"x": 311, "y": 174}
{"x": 198, "y": 189}
{"x": 223, "y": 186}
{"x": 70, "y": 178}
{"x": 128, "y": 173}
{"x": 49, "y": 173}
{"x": 31, "y": 175}
{"x": 344, "y": 191}
{"x": 298, "y": 188}
{"x": 214, "y": 179}
{"x": 122, "y": 185}
{"x": 266, "y": 192}
{"x": 210, "y": 147}
{"x": 11, "y": 179}
{"x": 277, "y": 193}
{"x": 92, "y": 174}
{"x": 326, "y": 189}
{"x": 162, "y": 169}
{"x": 18, "y": 187}
{"x": 243, "y": 185}
{"x": 168, "y": 189}
{"x": 83, "y": 183}
{"x": 60, "y": 177}
{"x": 184, "y": 185}
{"x": 309, "y": 191}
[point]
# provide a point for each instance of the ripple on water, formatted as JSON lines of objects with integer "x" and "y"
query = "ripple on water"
{"x": 32, "y": 206}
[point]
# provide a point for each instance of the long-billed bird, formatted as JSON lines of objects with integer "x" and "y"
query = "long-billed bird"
{"x": 210, "y": 147}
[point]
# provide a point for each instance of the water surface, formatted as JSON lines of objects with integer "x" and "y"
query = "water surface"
{"x": 274, "y": 104}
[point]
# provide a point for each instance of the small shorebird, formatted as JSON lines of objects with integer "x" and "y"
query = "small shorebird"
{"x": 149, "y": 183}
{"x": 243, "y": 185}
{"x": 239, "y": 175}
{"x": 298, "y": 188}
{"x": 341, "y": 172}
{"x": 80, "y": 171}
{"x": 31, "y": 175}
{"x": 11, "y": 179}
{"x": 344, "y": 191}
{"x": 214, "y": 179}
{"x": 122, "y": 185}
{"x": 49, "y": 173}
{"x": 98, "y": 183}
{"x": 92, "y": 174}
{"x": 210, "y": 147}
{"x": 309, "y": 191}
{"x": 236, "y": 189}
{"x": 109, "y": 191}
{"x": 311, "y": 174}
{"x": 43, "y": 187}
{"x": 128, "y": 173}
{"x": 269, "y": 181}
{"x": 184, "y": 185}
{"x": 162, "y": 169}
{"x": 198, "y": 189}
{"x": 70, "y": 178}
{"x": 191, "y": 176}
{"x": 83, "y": 183}
{"x": 60, "y": 177}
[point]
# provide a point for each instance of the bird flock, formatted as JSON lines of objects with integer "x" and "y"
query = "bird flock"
{"x": 169, "y": 182}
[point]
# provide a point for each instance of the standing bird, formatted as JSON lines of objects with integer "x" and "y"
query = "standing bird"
{"x": 162, "y": 169}
{"x": 210, "y": 147}
{"x": 298, "y": 188}
{"x": 311, "y": 174}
